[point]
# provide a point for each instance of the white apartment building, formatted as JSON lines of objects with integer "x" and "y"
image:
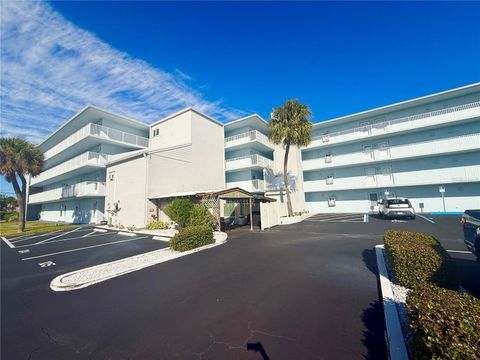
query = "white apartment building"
{"x": 412, "y": 149}
{"x": 72, "y": 186}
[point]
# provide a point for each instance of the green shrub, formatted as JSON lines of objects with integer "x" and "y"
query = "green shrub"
{"x": 179, "y": 211}
{"x": 157, "y": 225}
{"x": 11, "y": 216}
{"x": 418, "y": 259}
{"x": 200, "y": 215}
{"x": 192, "y": 237}
{"x": 445, "y": 324}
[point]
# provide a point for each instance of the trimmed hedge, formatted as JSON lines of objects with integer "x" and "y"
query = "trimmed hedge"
{"x": 179, "y": 211}
{"x": 445, "y": 324}
{"x": 199, "y": 215}
{"x": 157, "y": 225}
{"x": 192, "y": 237}
{"x": 418, "y": 259}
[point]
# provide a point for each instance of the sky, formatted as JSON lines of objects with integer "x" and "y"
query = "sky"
{"x": 227, "y": 59}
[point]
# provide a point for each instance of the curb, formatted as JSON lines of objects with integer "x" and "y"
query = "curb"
{"x": 124, "y": 233}
{"x": 395, "y": 339}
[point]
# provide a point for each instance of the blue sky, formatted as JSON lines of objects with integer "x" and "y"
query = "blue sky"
{"x": 148, "y": 59}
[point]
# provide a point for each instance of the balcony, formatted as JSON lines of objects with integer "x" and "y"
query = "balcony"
{"x": 98, "y": 132}
{"x": 409, "y": 178}
{"x": 414, "y": 122}
{"x": 415, "y": 150}
{"x": 77, "y": 165}
{"x": 83, "y": 189}
{"x": 254, "y": 185}
{"x": 248, "y": 162}
{"x": 248, "y": 138}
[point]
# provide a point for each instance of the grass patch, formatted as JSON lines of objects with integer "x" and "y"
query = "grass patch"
{"x": 10, "y": 229}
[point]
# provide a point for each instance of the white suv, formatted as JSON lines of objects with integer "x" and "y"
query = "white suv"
{"x": 396, "y": 207}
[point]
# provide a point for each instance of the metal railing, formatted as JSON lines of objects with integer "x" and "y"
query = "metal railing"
{"x": 249, "y": 160}
{"x": 82, "y": 189}
{"x": 87, "y": 158}
{"x": 99, "y": 131}
{"x": 384, "y": 125}
{"x": 253, "y": 135}
{"x": 417, "y": 149}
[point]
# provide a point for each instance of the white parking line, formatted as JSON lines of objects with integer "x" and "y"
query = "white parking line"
{"x": 60, "y": 240}
{"x": 83, "y": 248}
{"x": 459, "y": 251}
{"x": 57, "y": 236}
{"x": 29, "y": 237}
{"x": 10, "y": 245}
{"x": 339, "y": 217}
{"x": 426, "y": 218}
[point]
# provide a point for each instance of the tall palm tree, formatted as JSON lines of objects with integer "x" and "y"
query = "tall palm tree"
{"x": 290, "y": 125}
{"x": 18, "y": 159}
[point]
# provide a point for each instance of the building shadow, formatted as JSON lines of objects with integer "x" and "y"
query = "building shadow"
{"x": 258, "y": 347}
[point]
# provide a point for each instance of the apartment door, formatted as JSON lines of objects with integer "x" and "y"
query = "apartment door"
{"x": 373, "y": 199}
{"x": 370, "y": 177}
{"x": 385, "y": 176}
{"x": 382, "y": 150}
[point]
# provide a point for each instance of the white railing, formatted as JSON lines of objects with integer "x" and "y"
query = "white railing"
{"x": 418, "y": 149}
{"x": 248, "y": 161}
{"x": 404, "y": 123}
{"x": 83, "y": 189}
{"x": 253, "y": 135}
{"x": 100, "y": 132}
{"x": 410, "y": 178}
{"x": 249, "y": 185}
{"x": 87, "y": 158}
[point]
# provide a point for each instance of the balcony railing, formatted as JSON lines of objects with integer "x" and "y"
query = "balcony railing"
{"x": 247, "y": 137}
{"x": 419, "y": 149}
{"x": 88, "y": 158}
{"x": 100, "y": 132}
{"x": 248, "y": 162}
{"x": 83, "y": 189}
{"x": 249, "y": 185}
{"x": 396, "y": 179}
{"x": 454, "y": 113}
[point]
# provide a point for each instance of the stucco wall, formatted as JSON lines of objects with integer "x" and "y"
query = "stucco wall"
{"x": 174, "y": 131}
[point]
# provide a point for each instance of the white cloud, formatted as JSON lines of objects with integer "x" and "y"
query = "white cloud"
{"x": 50, "y": 69}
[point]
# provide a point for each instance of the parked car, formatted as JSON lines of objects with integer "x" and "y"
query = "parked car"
{"x": 396, "y": 207}
{"x": 471, "y": 231}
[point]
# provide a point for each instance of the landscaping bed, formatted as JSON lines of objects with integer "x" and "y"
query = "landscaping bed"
{"x": 438, "y": 321}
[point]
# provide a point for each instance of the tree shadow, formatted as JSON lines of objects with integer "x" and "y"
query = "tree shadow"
{"x": 374, "y": 336}
{"x": 370, "y": 259}
{"x": 258, "y": 347}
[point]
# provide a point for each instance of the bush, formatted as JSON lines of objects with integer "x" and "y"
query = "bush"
{"x": 200, "y": 215}
{"x": 11, "y": 216}
{"x": 418, "y": 259}
{"x": 179, "y": 211}
{"x": 445, "y": 324}
{"x": 192, "y": 237}
{"x": 157, "y": 225}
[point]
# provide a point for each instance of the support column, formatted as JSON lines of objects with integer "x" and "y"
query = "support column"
{"x": 251, "y": 218}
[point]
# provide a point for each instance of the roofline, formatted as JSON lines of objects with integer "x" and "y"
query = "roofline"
{"x": 245, "y": 118}
{"x": 93, "y": 108}
{"x": 143, "y": 152}
{"x": 171, "y": 116}
{"x": 405, "y": 102}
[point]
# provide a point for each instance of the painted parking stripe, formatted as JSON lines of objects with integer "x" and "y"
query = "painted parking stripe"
{"x": 10, "y": 245}
{"x": 57, "y": 236}
{"x": 339, "y": 216}
{"x": 426, "y": 218}
{"x": 60, "y": 240}
{"x": 459, "y": 251}
{"x": 29, "y": 237}
{"x": 83, "y": 248}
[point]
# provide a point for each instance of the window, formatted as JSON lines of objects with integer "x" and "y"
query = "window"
{"x": 331, "y": 201}
{"x": 328, "y": 158}
{"x": 325, "y": 137}
{"x": 111, "y": 176}
{"x": 329, "y": 179}
{"x": 156, "y": 132}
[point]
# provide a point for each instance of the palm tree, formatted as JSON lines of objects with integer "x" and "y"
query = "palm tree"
{"x": 290, "y": 125}
{"x": 18, "y": 159}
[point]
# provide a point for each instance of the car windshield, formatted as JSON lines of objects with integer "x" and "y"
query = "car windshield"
{"x": 398, "y": 202}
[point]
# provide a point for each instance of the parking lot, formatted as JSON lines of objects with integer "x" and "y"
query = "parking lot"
{"x": 64, "y": 251}
{"x": 306, "y": 290}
